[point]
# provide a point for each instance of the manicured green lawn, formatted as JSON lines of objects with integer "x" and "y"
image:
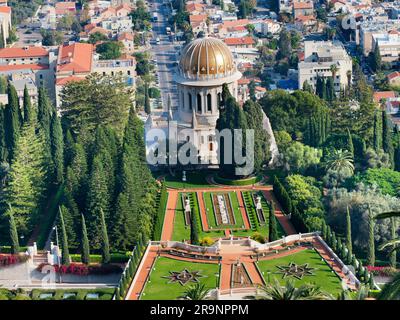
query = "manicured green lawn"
{"x": 211, "y": 216}
{"x": 323, "y": 275}
{"x": 193, "y": 180}
{"x": 158, "y": 288}
{"x": 181, "y": 231}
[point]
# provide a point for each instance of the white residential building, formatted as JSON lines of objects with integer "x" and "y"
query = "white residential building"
{"x": 319, "y": 56}
{"x": 117, "y": 24}
{"x": 389, "y": 46}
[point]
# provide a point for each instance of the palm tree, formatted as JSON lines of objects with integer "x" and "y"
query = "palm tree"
{"x": 339, "y": 160}
{"x": 275, "y": 291}
{"x": 361, "y": 294}
{"x": 391, "y": 291}
{"x": 196, "y": 292}
{"x": 334, "y": 69}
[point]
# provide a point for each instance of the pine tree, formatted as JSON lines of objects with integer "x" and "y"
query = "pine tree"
{"x": 27, "y": 106}
{"x": 57, "y": 149}
{"x": 393, "y": 235}
{"x": 273, "y": 230}
{"x": 85, "y": 253}
{"x": 349, "y": 244}
{"x": 65, "y": 259}
{"x": 12, "y": 122}
{"x": 13, "y": 231}
{"x": 371, "y": 240}
{"x": 105, "y": 246}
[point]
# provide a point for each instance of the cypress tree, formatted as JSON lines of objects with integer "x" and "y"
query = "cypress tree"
{"x": 68, "y": 148}
{"x": 273, "y": 231}
{"x": 85, "y": 254}
{"x": 393, "y": 253}
{"x": 350, "y": 142}
{"x": 194, "y": 234}
{"x": 27, "y": 106}
{"x": 387, "y": 143}
{"x": 348, "y": 231}
{"x": 371, "y": 240}
{"x": 377, "y": 133}
{"x": 3, "y": 145}
{"x": 45, "y": 111}
{"x": 105, "y": 246}
{"x": 330, "y": 90}
{"x": 57, "y": 149}
{"x": 65, "y": 260}
{"x": 147, "y": 107}
{"x": 12, "y": 122}
{"x": 13, "y": 231}
{"x": 2, "y": 43}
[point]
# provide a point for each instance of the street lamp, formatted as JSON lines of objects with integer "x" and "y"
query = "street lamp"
{"x": 58, "y": 248}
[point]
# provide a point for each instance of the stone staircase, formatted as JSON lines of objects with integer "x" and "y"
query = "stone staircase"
{"x": 39, "y": 258}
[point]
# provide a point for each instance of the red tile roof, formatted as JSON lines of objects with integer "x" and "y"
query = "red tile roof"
{"x": 379, "y": 95}
{"x": 303, "y": 5}
{"x": 5, "y": 10}
{"x": 190, "y": 7}
{"x": 239, "y": 41}
{"x": 126, "y": 36}
{"x": 240, "y": 22}
{"x": 393, "y": 75}
{"x": 65, "y": 7}
{"x": 26, "y": 52}
{"x": 33, "y": 66}
{"x": 63, "y": 81}
{"x": 198, "y": 18}
{"x": 76, "y": 57}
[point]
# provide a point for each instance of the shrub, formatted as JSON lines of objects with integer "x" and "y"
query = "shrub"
{"x": 206, "y": 241}
{"x": 83, "y": 270}
{"x": 258, "y": 237}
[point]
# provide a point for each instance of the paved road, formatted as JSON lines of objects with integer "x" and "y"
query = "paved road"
{"x": 165, "y": 54}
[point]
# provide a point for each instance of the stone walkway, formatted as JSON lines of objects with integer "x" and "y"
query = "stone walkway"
{"x": 168, "y": 225}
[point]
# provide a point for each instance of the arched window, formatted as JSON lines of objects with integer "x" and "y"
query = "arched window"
{"x": 198, "y": 103}
{"x": 190, "y": 101}
{"x": 209, "y": 105}
{"x": 210, "y": 146}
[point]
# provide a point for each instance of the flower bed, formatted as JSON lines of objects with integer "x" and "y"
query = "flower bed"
{"x": 84, "y": 270}
{"x": 382, "y": 271}
{"x": 11, "y": 259}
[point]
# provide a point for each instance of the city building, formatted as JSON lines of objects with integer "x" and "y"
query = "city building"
{"x": 301, "y": 8}
{"x": 319, "y": 57}
{"x": 388, "y": 45}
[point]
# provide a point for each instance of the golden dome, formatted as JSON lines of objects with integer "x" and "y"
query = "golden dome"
{"x": 206, "y": 58}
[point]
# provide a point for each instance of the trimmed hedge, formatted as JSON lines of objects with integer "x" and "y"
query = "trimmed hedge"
{"x": 7, "y": 249}
{"x": 161, "y": 208}
{"x": 238, "y": 182}
{"x": 97, "y": 258}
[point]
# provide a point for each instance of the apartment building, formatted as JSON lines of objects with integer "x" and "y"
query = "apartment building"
{"x": 389, "y": 46}
{"x": 303, "y": 8}
{"x": 319, "y": 56}
{"x": 38, "y": 61}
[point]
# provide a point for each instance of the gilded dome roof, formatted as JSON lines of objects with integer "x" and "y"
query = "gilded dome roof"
{"x": 206, "y": 58}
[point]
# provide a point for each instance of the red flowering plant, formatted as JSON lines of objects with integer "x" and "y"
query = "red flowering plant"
{"x": 10, "y": 259}
{"x": 82, "y": 269}
{"x": 382, "y": 271}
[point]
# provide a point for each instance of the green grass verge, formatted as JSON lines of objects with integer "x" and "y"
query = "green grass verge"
{"x": 158, "y": 288}
{"x": 237, "y": 182}
{"x": 181, "y": 231}
{"x": 97, "y": 258}
{"x": 323, "y": 274}
{"x": 193, "y": 180}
